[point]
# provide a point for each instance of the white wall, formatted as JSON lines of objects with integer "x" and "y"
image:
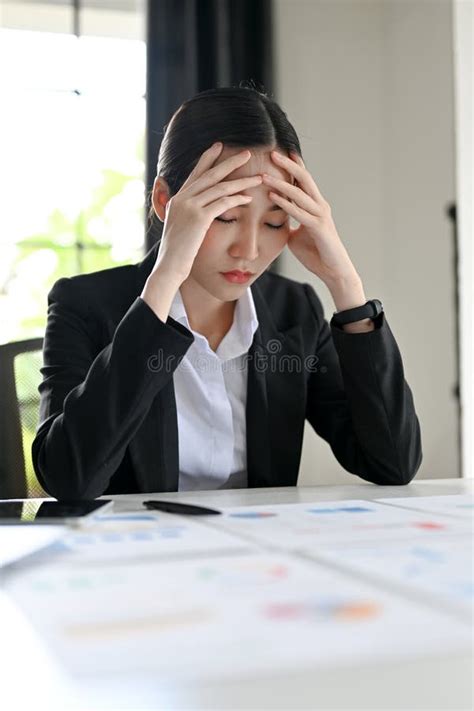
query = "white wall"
{"x": 463, "y": 32}
{"x": 369, "y": 88}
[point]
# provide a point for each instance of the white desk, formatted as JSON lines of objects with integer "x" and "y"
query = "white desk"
{"x": 441, "y": 681}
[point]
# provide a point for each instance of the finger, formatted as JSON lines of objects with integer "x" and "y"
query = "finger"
{"x": 294, "y": 193}
{"x": 227, "y": 187}
{"x": 216, "y": 208}
{"x": 297, "y": 158}
{"x": 293, "y": 210}
{"x": 300, "y": 173}
{"x": 205, "y": 161}
{"x": 214, "y": 175}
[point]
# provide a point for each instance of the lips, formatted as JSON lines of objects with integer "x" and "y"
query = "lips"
{"x": 237, "y": 277}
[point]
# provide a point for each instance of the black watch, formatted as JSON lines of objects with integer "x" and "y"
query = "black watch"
{"x": 371, "y": 309}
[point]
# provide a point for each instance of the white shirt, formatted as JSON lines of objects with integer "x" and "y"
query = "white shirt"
{"x": 211, "y": 394}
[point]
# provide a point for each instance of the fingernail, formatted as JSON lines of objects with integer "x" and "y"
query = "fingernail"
{"x": 217, "y": 145}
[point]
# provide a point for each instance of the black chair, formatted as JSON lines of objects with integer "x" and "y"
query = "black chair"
{"x": 20, "y": 364}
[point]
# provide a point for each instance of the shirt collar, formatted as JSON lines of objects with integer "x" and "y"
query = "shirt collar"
{"x": 240, "y": 335}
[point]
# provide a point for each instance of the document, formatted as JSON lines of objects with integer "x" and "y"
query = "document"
{"x": 254, "y": 590}
{"x": 312, "y": 527}
{"x": 427, "y": 554}
{"x": 458, "y": 505}
{"x": 438, "y": 570}
{"x": 224, "y": 617}
{"x": 120, "y": 537}
{"x": 19, "y": 541}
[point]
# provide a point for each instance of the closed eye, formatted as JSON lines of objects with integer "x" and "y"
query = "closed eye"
{"x": 273, "y": 227}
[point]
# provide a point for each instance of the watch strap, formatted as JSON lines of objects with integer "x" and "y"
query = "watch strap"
{"x": 371, "y": 309}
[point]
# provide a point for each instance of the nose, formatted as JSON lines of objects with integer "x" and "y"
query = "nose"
{"x": 245, "y": 246}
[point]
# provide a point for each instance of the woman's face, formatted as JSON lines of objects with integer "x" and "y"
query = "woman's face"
{"x": 253, "y": 236}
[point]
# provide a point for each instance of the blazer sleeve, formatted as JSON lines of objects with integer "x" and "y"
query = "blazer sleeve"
{"x": 93, "y": 401}
{"x": 360, "y": 403}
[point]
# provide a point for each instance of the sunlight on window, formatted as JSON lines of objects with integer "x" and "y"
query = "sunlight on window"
{"x": 72, "y": 146}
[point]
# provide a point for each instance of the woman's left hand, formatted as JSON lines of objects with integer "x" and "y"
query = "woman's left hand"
{"x": 315, "y": 243}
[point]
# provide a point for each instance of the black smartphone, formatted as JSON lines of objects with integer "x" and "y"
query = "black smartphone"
{"x": 37, "y": 511}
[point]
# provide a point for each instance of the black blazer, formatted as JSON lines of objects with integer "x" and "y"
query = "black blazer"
{"x": 108, "y": 421}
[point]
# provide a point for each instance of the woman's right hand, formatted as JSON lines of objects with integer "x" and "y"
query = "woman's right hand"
{"x": 190, "y": 212}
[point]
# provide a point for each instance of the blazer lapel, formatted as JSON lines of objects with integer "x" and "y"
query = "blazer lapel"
{"x": 276, "y": 400}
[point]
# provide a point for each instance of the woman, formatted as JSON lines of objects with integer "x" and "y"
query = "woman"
{"x": 185, "y": 344}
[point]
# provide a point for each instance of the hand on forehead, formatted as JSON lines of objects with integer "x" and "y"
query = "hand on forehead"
{"x": 259, "y": 162}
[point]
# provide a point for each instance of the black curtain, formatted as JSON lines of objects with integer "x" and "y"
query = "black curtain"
{"x": 193, "y": 45}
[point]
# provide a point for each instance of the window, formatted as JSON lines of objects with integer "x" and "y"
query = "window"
{"x": 72, "y": 147}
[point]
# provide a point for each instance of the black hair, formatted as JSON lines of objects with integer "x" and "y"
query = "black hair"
{"x": 241, "y": 116}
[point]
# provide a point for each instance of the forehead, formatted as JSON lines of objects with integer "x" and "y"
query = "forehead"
{"x": 260, "y": 161}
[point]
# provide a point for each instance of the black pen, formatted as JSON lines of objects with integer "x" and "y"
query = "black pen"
{"x": 175, "y": 507}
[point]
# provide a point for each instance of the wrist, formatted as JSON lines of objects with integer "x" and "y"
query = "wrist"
{"x": 358, "y": 319}
{"x": 361, "y": 326}
{"x": 347, "y": 292}
{"x": 159, "y": 291}
{"x": 166, "y": 276}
